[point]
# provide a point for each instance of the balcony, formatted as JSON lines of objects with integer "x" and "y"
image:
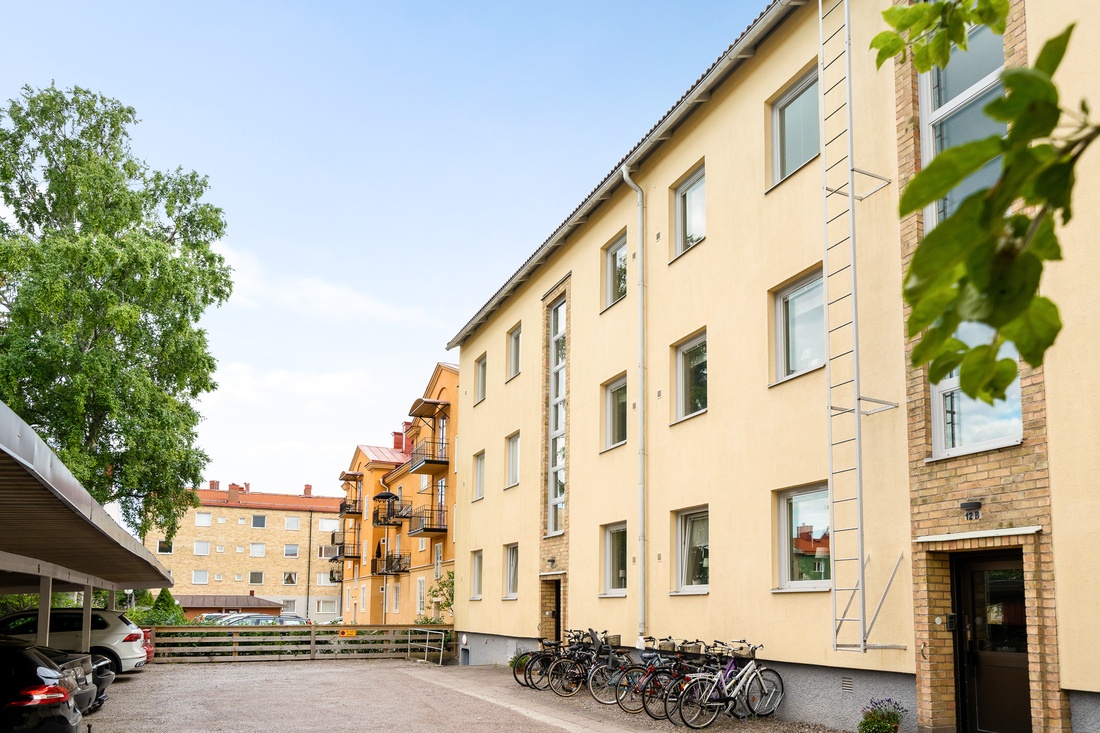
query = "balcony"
{"x": 429, "y": 457}
{"x": 347, "y": 544}
{"x": 336, "y": 575}
{"x": 393, "y": 563}
{"x": 391, "y": 513}
{"x": 353, "y": 508}
{"x": 427, "y": 519}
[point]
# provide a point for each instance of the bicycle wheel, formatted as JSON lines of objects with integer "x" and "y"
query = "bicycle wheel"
{"x": 764, "y": 691}
{"x": 699, "y": 705}
{"x": 601, "y": 683}
{"x": 653, "y": 694}
{"x": 671, "y": 700}
{"x": 519, "y": 665}
{"x": 566, "y": 677}
{"x": 628, "y": 689}
{"x": 536, "y": 673}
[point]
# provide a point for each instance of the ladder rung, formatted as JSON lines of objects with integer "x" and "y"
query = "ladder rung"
{"x": 833, "y": 34}
{"x": 843, "y": 470}
{"x": 841, "y": 501}
{"x": 843, "y": 213}
{"x": 846, "y": 295}
{"x": 830, "y": 10}
{"x": 842, "y": 442}
{"x": 834, "y": 86}
{"x": 834, "y": 165}
{"x": 836, "y": 58}
{"x": 843, "y": 325}
{"x": 839, "y": 270}
{"x": 830, "y": 115}
{"x": 840, "y": 242}
{"x": 857, "y": 618}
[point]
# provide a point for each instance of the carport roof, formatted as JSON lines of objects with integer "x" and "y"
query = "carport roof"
{"x": 51, "y": 526}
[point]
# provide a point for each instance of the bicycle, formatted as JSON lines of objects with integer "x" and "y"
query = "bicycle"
{"x": 604, "y": 675}
{"x": 708, "y": 695}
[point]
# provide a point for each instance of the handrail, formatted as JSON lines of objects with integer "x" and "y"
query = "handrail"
{"x": 427, "y": 643}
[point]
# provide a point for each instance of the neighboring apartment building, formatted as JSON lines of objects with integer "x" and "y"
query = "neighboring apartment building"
{"x": 691, "y": 349}
{"x": 397, "y": 542}
{"x": 241, "y": 543}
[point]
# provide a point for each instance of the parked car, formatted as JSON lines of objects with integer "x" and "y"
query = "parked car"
{"x": 102, "y": 676}
{"x": 212, "y": 617}
{"x": 86, "y": 694}
{"x": 147, "y": 644}
{"x": 35, "y": 694}
{"x": 113, "y": 635}
{"x": 263, "y": 619}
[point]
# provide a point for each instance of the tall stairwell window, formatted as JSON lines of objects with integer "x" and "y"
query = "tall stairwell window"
{"x": 555, "y": 518}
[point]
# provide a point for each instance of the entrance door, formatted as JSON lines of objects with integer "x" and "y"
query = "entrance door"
{"x": 991, "y": 644}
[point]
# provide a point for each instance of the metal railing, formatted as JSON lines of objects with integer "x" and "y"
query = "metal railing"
{"x": 391, "y": 513}
{"x": 350, "y": 507}
{"x": 392, "y": 563}
{"x": 428, "y": 451}
{"x": 336, "y": 575}
{"x": 428, "y": 519}
{"x": 346, "y": 543}
{"x": 433, "y": 640}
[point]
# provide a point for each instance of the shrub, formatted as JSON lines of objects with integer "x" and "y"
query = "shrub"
{"x": 881, "y": 716}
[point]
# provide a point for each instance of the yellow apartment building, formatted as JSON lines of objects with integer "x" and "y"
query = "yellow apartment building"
{"x": 717, "y": 332}
{"x": 241, "y": 543}
{"x": 396, "y": 543}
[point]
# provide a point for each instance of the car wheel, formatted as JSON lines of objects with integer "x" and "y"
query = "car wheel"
{"x": 116, "y": 663}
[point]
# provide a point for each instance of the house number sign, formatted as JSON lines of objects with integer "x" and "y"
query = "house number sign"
{"x": 971, "y": 515}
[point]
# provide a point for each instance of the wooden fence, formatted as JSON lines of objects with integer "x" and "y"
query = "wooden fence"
{"x": 185, "y": 644}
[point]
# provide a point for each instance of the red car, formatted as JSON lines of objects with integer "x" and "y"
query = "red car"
{"x": 147, "y": 644}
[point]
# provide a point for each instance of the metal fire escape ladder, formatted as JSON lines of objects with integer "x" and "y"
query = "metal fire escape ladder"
{"x": 846, "y": 404}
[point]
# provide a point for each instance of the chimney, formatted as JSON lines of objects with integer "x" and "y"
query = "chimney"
{"x": 247, "y": 488}
{"x": 399, "y": 441}
{"x": 234, "y": 490}
{"x": 308, "y": 491}
{"x": 215, "y": 485}
{"x": 252, "y": 593}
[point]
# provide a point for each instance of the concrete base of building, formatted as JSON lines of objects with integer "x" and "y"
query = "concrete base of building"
{"x": 1084, "y": 708}
{"x": 476, "y": 648}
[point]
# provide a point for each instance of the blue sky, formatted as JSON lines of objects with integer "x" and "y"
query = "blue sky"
{"x": 384, "y": 167}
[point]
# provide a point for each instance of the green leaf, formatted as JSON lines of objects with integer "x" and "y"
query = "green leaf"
{"x": 978, "y": 367}
{"x": 1053, "y": 51}
{"x": 935, "y": 340}
{"x": 930, "y": 307}
{"x": 939, "y": 48}
{"x": 889, "y": 44}
{"x": 1014, "y": 284}
{"x": 945, "y": 248}
{"x": 1024, "y": 88}
{"x": 1034, "y": 330}
{"x": 1044, "y": 244}
{"x": 993, "y": 13}
{"x": 951, "y": 355}
{"x": 1017, "y": 168}
{"x": 946, "y": 171}
{"x": 1056, "y": 184}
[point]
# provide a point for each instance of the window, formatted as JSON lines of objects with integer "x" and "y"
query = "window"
{"x": 290, "y": 550}
{"x": 479, "y": 476}
{"x": 615, "y": 560}
{"x": 256, "y": 549}
{"x": 200, "y": 577}
{"x": 952, "y": 100}
{"x": 220, "y": 548}
{"x": 479, "y": 379}
{"x": 438, "y": 560}
{"x": 289, "y": 605}
{"x": 202, "y": 519}
{"x": 555, "y": 489}
{"x": 240, "y": 548}
{"x": 293, "y": 523}
{"x": 256, "y": 577}
{"x": 800, "y": 327}
{"x": 513, "y": 460}
{"x": 963, "y": 425}
{"x": 475, "y": 574}
{"x": 221, "y": 520}
{"x": 511, "y": 571}
{"x": 423, "y": 483}
{"x": 423, "y": 544}
{"x": 514, "y": 340}
{"x": 259, "y": 521}
{"x": 328, "y": 525}
{"x": 326, "y": 606}
{"x": 694, "y": 555}
{"x": 804, "y": 538}
{"x": 217, "y": 576}
{"x": 290, "y": 578}
{"x": 691, "y": 212}
{"x": 324, "y": 579}
{"x": 202, "y": 548}
{"x": 615, "y": 272}
{"x": 164, "y": 547}
{"x": 421, "y": 595}
{"x": 396, "y": 595}
{"x": 238, "y": 577}
{"x": 615, "y": 410}
{"x": 242, "y": 520}
{"x": 691, "y": 377}
{"x": 795, "y": 138}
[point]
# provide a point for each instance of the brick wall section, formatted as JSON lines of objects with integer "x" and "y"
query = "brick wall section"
{"x": 1013, "y": 483}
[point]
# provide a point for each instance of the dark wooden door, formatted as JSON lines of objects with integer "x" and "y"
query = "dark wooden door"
{"x": 991, "y": 645}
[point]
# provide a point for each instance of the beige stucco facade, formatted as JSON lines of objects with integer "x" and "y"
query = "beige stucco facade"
{"x": 762, "y": 435}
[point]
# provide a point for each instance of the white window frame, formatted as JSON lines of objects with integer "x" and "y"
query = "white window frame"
{"x": 778, "y": 107}
{"x": 289, "y": 605}
{"x": 782, "y": 326}
{"x": 609, "y": 572}
{"x": 609, "y": 391}
{"x": 476, "y": 572}
{"x": 292, "y": 575}
{"x": 202, "y": 519}
{"x": 512, "y": 451}
{"x": 323, "y": 579}
{"x": 557, "y": 372}
{"x": 696, "y": 179}
{"x": 326, "y": 605}
{"x": 481, "y": 372}
{"x": 292, "y": 523}
{"x": 511, "y": 571}
{"x": 262, "y": 519}
{"x": 681, "y": 376}
{"x": 437, "y": 560}
{"x": 396, "y": 595}
{"x": 785, "y": 580}
{"x": 328, "y": 524}
{"x": 423, "y": 544}
{"x": 515, "y": 344}
{"x": 202, "y": 547}
{"x": 611, "y": 272}
{"x": 326, "y": 552}
{"x": 479, "y": 476}
{"x": 287, "y": 552}
{"x": 421, "y": 595}
{"x": 252, "y": 577}
{"x": 197, "y": 574}
{"x": 217, "y": 576}
{"x": 162, "y": 545}
{"x": 238, "y": 577}
{"x": 254, "y": 552}
{"x": 683, "y": 584}
{"x": 219, "y": 548}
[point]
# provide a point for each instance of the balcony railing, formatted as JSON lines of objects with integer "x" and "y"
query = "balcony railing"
{"x": 336, "y": 575}
{"x": 347, "y": 544}
{"x": 351, "y": 508}
{"x": 429, "y": 456}
{"x": 391, "y": 513}
{"x": 428, "y": 519}
{"x": 393, "y": 563}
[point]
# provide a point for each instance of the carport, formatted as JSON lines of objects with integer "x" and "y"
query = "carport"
{"x": 54, "y": 537}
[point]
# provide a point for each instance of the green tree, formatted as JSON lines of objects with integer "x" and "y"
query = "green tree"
{"x": 165, "y": 612}
{"x": 106, "y": 267}
{"x": 985, "y": 262}
{"x": 443, "y": 592}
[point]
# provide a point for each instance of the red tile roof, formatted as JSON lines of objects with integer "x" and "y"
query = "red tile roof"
{"x": 382, "y": 454}
{"x": 258, "y": 500}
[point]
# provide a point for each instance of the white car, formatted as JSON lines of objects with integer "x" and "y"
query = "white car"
{"x": 113, "y": 635}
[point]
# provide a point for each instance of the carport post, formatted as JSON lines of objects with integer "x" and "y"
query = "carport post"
{"x": 110, "y": 600}
{"x": 86, "y": 621}
{"x": 45, "y": 593}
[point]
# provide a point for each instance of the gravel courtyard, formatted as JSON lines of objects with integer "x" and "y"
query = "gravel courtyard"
{"x": 360, "y": 695}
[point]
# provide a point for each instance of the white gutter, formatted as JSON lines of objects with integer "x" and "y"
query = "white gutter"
{"x": 641, "y": 406}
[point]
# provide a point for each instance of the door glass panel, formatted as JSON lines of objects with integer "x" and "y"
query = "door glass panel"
{"x": 999, "y": 621}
